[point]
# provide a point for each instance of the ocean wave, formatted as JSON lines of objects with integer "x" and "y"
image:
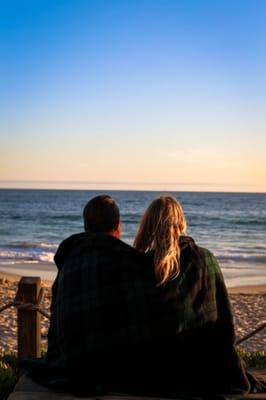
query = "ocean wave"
{"x": 32, "y": 245}
{"x": 246, "y": 222}
{"x": 242, "y": 251}
{"x": 24, "y": 257}
{"x": 46, "y": 257}
{"x": 244, "y": 258}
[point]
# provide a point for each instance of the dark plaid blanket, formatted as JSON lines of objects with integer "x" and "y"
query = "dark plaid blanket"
{"x": 114, "y": 328}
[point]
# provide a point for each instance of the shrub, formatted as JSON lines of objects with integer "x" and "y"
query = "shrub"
{"x": 8, "y": 374}
{"x": 253, "y": 359}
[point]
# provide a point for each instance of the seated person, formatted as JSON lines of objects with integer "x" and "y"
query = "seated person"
{"x": 97, "y": 296}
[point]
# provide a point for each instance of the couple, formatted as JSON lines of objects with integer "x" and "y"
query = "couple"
{"x": 153, "y": 319}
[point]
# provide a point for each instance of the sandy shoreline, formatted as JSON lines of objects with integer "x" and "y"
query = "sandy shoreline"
{"x": 46, "y": 271}
{"x": 248, "y": 305}
{"x": 15, "y": 278}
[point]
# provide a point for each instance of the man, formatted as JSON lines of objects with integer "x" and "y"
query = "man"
{"x": 98, "y": 314}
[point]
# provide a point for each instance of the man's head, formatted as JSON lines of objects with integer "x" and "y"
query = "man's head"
{"x": 101, "y": 214}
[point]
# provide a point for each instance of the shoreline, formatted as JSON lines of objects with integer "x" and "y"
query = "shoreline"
{"x": 13, "y": 277}
{"x": 247, "y": 289}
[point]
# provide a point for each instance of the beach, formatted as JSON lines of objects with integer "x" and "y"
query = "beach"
{"x": 248, "y": 305}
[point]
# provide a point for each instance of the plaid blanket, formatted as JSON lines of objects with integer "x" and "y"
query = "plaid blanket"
{"x": 112, "y": 326}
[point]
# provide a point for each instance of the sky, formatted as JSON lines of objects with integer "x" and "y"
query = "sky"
{"x": 140, "y": 94}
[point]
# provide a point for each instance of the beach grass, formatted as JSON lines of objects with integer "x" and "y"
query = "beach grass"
{"x": 253, "y": 359}
{"x": 8, "y": 374}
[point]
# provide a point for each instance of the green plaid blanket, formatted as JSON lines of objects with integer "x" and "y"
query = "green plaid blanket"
{"x": 113, "y": 326}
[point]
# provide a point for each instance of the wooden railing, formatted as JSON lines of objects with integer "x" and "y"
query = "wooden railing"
{"x": 28, "y": 303}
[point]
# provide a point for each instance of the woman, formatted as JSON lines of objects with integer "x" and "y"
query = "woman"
{"x": 199, "y": 324}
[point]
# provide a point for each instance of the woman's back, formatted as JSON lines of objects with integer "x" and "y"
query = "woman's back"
{"x": 197, "y": 319}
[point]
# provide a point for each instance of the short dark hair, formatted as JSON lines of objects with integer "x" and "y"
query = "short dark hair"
{"x": 101, "y": 214}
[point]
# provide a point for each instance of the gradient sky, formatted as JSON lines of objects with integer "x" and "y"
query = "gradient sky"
{"x": 133, "y": 94}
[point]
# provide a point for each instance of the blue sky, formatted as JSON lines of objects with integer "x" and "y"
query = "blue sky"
{"x": 134, "y": 93}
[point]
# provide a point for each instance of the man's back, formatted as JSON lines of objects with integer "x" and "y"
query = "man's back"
{"x": 98, "y": 296}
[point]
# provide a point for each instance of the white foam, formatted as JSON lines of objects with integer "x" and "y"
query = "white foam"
{"x": 8, "y": 256}
{"x": 47, "y": 257}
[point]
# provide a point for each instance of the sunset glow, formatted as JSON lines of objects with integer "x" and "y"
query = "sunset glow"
{"x": 159, "y": 95}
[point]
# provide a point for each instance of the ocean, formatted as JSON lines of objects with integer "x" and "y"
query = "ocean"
{"x": 231, "y": 225}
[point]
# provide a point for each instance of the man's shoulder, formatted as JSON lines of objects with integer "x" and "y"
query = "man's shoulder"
{"x": 65, "y": 246}
{"x": 123, "y": 246}
{"x": 70, "y": 241}
{"x": 96, "y": 240}
{"x": 86, "y": 243}
{"x": 116, "y": 249}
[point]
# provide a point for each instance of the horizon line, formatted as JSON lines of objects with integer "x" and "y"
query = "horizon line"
{"x": 130, "y": 186}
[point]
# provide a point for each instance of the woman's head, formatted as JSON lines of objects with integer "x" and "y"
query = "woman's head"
{"x": 161, "y": 226}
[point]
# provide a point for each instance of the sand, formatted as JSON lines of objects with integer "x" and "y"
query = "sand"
{"x": 248, "y": 305}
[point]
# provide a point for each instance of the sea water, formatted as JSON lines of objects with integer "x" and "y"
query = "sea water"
{"x": 231, "y": 225}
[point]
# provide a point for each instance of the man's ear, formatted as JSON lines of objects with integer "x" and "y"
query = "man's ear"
{"x": 118, "y": 231}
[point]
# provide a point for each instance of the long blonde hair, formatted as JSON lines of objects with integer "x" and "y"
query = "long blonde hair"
{"x": 160, "y": 229}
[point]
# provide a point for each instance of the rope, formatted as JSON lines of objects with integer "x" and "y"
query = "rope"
{"x": 8, "y": 305}
{"x": 258, "y": 329}
{"x": 20, "y": 305}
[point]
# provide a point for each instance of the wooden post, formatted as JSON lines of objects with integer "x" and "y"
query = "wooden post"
{"x": 29, "y": 328}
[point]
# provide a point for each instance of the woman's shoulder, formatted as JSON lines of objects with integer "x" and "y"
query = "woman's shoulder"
{"x": 211, "y": 262}
{"x": 207, "y": 257}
